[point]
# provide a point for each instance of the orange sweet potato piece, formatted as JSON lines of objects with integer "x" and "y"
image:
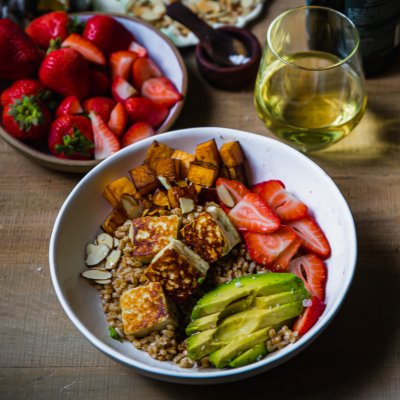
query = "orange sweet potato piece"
{"x": 113, "y": 192}
{"x": 156, "y": 151}
{"x": 207, "y": 152}
{"x": 202, "y": 174}
{"x": 144, "y": 179}
{"x": 169, "y": 168}
{"x": 186, "y": 159}
{"x": 231, "y": 154}
{"x": 113, "y": 221}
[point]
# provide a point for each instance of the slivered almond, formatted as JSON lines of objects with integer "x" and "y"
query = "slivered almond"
{"x": 131, "y": 232}
{"x": 105, "y": 238}
{"x": 187, "y": 205}
{"x": 96, "y": 274}
{"x": 103, "y": 281}
{"x": 112, "y": 259}
{"x": 131, "y": 207}
{"x": 164, "y": 182}
{"x": 116, "y": 243}
{"x": 95, "y": 254}
{"x": 225, "y": 196}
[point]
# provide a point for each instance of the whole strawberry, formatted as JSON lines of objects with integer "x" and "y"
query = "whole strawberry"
{"x": 71, "y": 137}
{"x": 66, "y": 72}
{"x": 19, "y": 56}
{"x": 49, "y": 26}
{"x": 23, "y": 87}
{"x": 26, "y": 119}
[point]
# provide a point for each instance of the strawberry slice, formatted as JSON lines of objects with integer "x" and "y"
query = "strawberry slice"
{"x": 144, "y": 69}
{"x": 142, "y": 109}
{"x": 266, "y": 248}
{"x": 235, "y": 188}
{"x": 138, "y": 49}
{"x": 310, "y": 316}
{"x": 285, "y": 204}
{"x": 313, "y": 272}
{"x": 162, "y": 91}
{"x": 121, "y": 63}
{"x": 281, "y": 263}
{"x": 118, "y": 119}
{"x": 105, "y": 142}
{"x": 87, "y": 49}
{"x": 121, "y": 89}
{"x": 69, "y": 106}
{"x": 252, "y": 214}
{"x": 100, "y": 105}
{"x": 137, "y": 132}
{"x": 314, "y": 239}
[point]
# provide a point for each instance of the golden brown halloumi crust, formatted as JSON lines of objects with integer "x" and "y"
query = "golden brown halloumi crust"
{"x": 151, "y": 234}
{"x": 205, "y": 237}
{"x": 144, "y": 309}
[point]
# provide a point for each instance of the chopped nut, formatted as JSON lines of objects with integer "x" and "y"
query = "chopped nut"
{"x": 130, "y": 206}
{"x": 187, "y": 205}
{"x": 112, "y": 259}
{"x": 225, "y": 196}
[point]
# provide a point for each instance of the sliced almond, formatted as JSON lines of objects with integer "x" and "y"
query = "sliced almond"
{"x": 112, "y": 259}
{"x": 100, "y": 266}
{"x": 246, "y": 3}
{"x": 103, "y": 281}
{"x": 96, "y": 274}
{"x": 131, "y": 207}
{"x": 105, "y": 238}
{"x": 131, "y": 233}
{"x": 95, "y": 254}
{"x": 187, "y": 205}
{"x": 116, "y": 243}
{"x": 164, "y": 182}
{"x": 145, "y": 212}
{"x": 225, "y": 196}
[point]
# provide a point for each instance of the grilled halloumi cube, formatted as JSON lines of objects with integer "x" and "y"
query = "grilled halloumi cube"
{"x": 145, "y": 309}
{"x": 178, "y": 269}
{"x": 151, "y": 234}
{"x": 211, "y": 235}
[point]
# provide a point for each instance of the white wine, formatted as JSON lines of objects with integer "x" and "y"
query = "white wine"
{"x": 312, "y": 103}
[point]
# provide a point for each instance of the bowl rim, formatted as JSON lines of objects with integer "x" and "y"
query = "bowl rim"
{"x": 219, "y": 375}
{"x": 79, "y": 165}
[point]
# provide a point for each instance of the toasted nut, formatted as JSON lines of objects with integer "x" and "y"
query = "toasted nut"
{"x": 187, "y": 205}
{"x": 116, "y": 243}
{"x": 225, "y": 196}
{"x": 131, "y": 232}
{"x": 105, "y": 238}
{"x": 130, "y": 206}
{"x": 96, "y": 253}
{"x": 112, "y": 259}
{"x": 103, "y": 281}
{"x": 164, "y": 182}
{"x": 96, "y": 274}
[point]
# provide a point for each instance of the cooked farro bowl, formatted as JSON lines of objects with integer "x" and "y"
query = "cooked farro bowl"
{"x": 108, "y": 307}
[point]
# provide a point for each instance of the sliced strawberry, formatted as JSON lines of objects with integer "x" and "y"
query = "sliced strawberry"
{"x": 100, "y": 84}
{"x": 100, "y": 105}
{"x": 69, "y": 106}
{"x": 144, "y": 69}
{"x": 314, "y": 239}
{"x": 138, "y": 49}
{"x": 88, "y": 50}
{"x": 285, "y": 204}
{"x": 118, "y": 119}
{"x": 313, "y": 271}
{"x": 137, "y": 132}
{"x": 310, "y": 316}
{"x": 162, "y": 91}
{"x": 252, "y": 214}
{"x": 122, "y": 90}
{"x": 281, "y": 263}
{"x": 105, "y": 142}
{"x": 121, "y": 63}
{"x": 142, "y": 109}
{"x": 265, "y": 248}
{"x": 235, "y": 188}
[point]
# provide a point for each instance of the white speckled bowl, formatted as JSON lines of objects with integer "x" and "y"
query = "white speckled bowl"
{"x": 84, "y": 210}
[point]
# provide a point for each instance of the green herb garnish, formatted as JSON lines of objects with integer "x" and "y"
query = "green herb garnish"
{"x": 114, "y": 334}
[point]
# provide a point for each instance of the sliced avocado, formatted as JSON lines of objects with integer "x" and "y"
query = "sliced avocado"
{"x": 201, "y": 344}
{"x": 281, "y": 298}
{"x": 202, "y": 324}
{"x": 257, "y": 284}
{"x": 252, "y": 355}
{"x": 237, "y": 306}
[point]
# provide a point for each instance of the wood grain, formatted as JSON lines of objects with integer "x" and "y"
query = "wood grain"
{"x": 42, "y": 356}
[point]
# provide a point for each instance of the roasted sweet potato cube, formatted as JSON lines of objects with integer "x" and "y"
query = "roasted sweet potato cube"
{"x": 113, "y": 192}
{"x": 186, "y": 159}
{"x": 207, "y": 152}
{"x": 175, "y": 193}
{"x": 113, "y": 221}
{"x": 202, "y": 174}
{"x": 144, "y": 179}
{"x": 223, "y": 172}
{"x": 169, "y": 168}
{"x": 156, "y": 151}
{"x": 238, "y": 173}
{"x": 160, "y": 198}
{"x": 231, "y": 154}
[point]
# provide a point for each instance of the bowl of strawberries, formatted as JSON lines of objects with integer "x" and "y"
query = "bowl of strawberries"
{"x": 78, "y": 88}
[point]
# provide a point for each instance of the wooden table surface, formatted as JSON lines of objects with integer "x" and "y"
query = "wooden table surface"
{"x": 43, "y": 356}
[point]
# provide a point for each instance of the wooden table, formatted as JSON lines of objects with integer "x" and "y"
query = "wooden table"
{"x": 43, "y": 356}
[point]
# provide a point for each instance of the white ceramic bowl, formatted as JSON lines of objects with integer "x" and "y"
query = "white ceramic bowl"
{"x": 84, "y": 210}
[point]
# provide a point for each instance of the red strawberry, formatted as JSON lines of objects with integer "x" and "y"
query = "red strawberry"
{"x": 138, "y": 49}
{"x": 69, "y": 106}
{"x": 100, "y": 84}
{"x": 314, "y": 239}
{"x": 313, "y": 271}
{"x": 137, "y": 132}
{"x": 285, "y": 204}
{"x": 118, "y": 119}
{"x": 88, "y": 50}
{"x": 66, "y": 72}
{"x": 105, "y": 142}
{"x": 19, "y": 56}
{"x": 23, "y": 87}
{"x": 122, "y": 90}
{"x": 26, "y": 118}
{"x": 48, "y": 26}
{"x": 100, "y": 105}
{"x": 121, "y": 63}
{"x": 71, "y": 137}
{"x": 107, "y": 34}
{"x": 310, "y": 316}
{"x": 265, "y": 248}
{"x": 142, "y": 109}
{"x": 235, "y": 188}
{"x": 162, "y": 91}
{"x": 144, "y": 69}
{"x": 252, "y": 214}
{"x": 281, "y": 263}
